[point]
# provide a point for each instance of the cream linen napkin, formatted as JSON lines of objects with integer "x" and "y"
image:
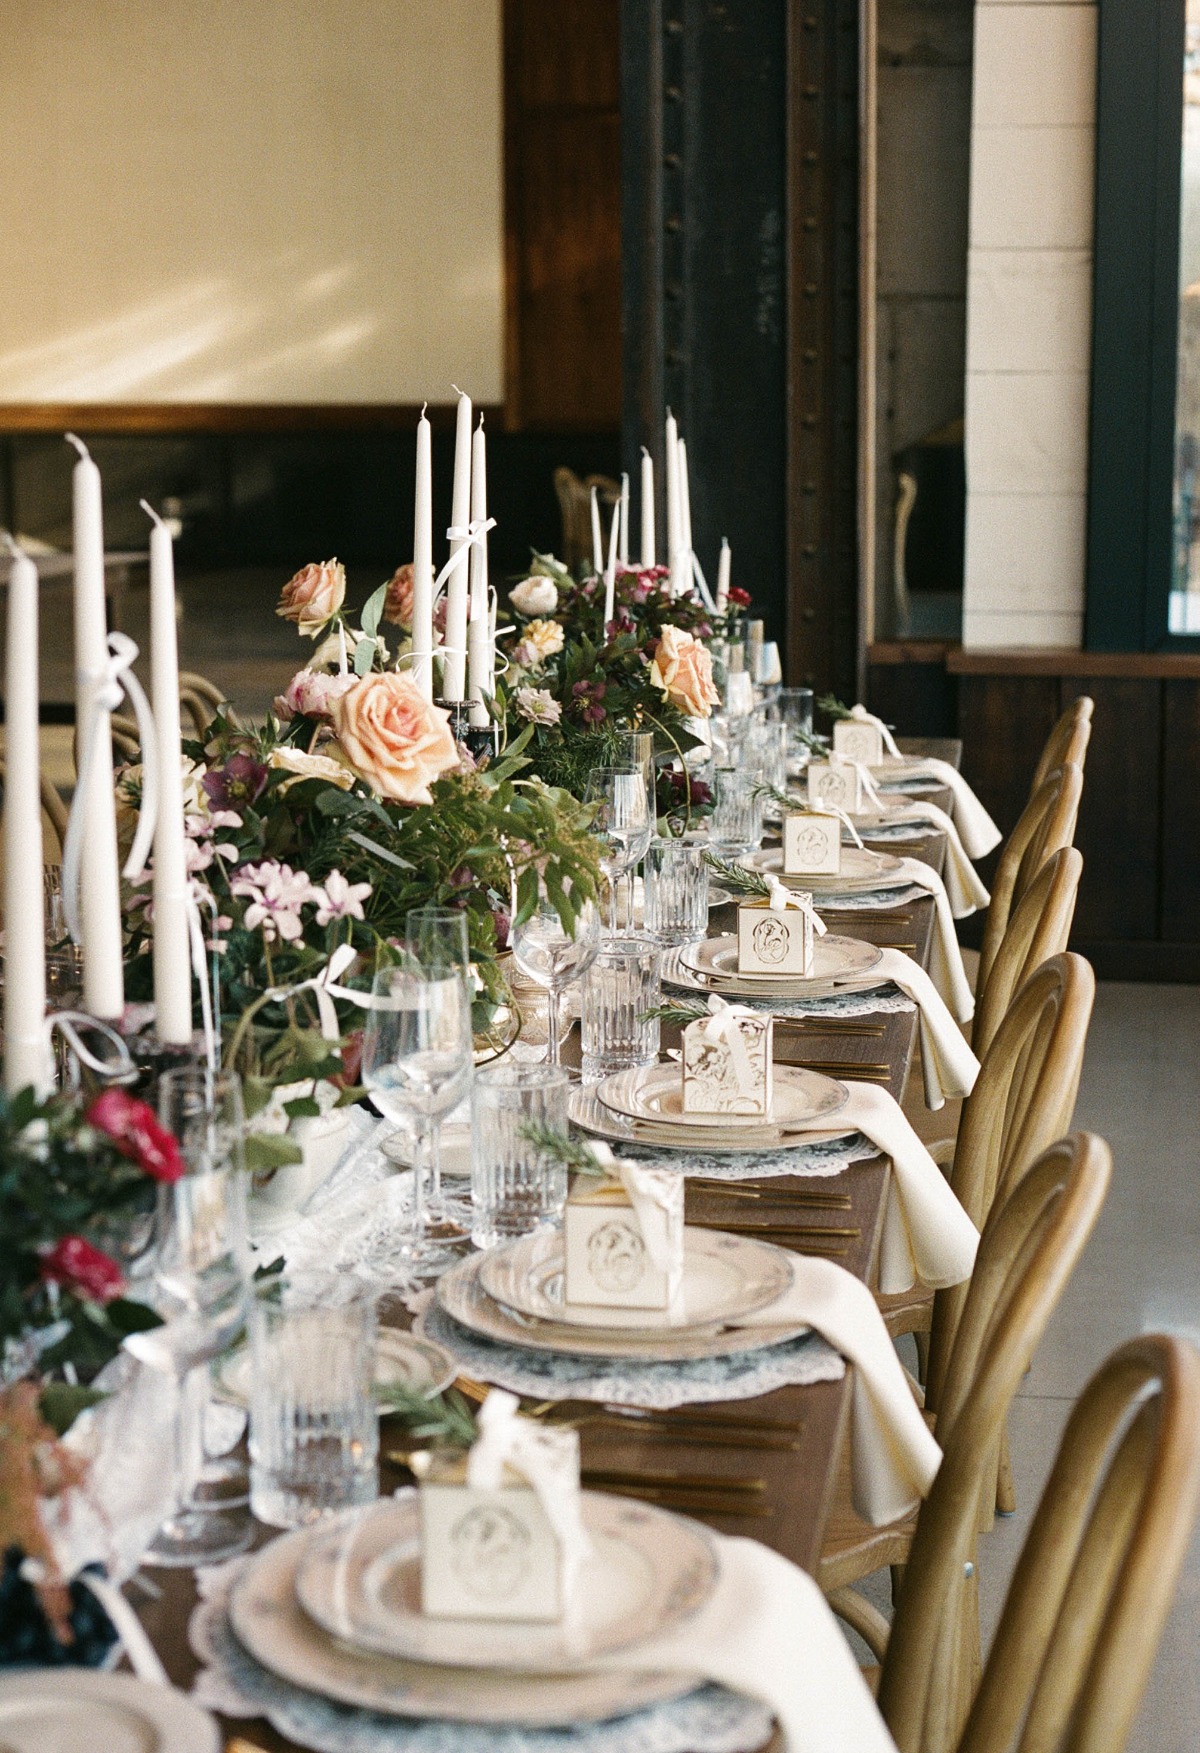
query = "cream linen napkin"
{"x": 978, "y": 831}
{"x": 945, "y": 957}
{"x": 947, "y": 1063}
{"x": 768, "y": 1632}
{"x": 965, "y": 891}
{"x": 893, "y": 1453}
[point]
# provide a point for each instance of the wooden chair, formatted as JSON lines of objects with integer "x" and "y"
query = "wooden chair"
{"x": 1027, "y": 1253}
{"x": 1039, "y": 927}
{"x": 575, "y": 507}
{"x": 1068, "y": 741}
{"x": 1023, "y": 1100}
{"x": 1047, "y": 823}
{"x": 190, "y": 682}
{"x": 53, "y": 809}
{"x": 1092, "y": 1588}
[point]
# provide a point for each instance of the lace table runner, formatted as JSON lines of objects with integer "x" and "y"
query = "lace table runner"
{"x": 709, "y": 1720}
{"x": 551, "y": 1375}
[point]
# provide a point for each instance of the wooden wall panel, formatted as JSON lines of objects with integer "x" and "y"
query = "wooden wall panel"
{"x": 1118, "y": 830}
{"x": 1179, "y": 831}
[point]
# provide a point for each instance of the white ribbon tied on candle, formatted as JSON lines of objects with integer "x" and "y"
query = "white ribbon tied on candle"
{"x": 324, "y": 987}
{"x": 725, "y": 1024}
{"x": 68, "y": 1024}
{"x": 862, "y": 716}
{"x": 779, "y": 896}
{"x": 548, "y": 1459}
{"x": 471, "y": 535}
{"x": 649, "y": 1191}
{"x": 116, "y": 681}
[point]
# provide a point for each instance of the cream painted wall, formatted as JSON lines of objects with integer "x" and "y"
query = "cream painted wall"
{"x": 250, "y": 200}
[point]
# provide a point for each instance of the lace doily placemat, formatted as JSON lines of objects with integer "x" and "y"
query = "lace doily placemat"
{"x": 550, "y": 1375}
{"x": 709, "y": 1720}
{"x": 874, "y": 900}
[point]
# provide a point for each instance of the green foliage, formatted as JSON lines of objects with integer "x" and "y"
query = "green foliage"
{"x": 735, "y": 876}
{"x": 444, "y": 1420}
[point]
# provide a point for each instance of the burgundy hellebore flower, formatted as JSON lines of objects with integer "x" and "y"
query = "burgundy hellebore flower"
{"x": 587, "y": 696}
{"x": 236, "y": 785}
{"x": 76, "y": 1265}
{"x": 132, "y": 1127}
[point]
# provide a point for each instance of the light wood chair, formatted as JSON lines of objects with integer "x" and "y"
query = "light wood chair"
{"x": 1092, "y": 1588}
{"x": 54, "y": 812}
{"x": 191, "y": 682}
{"x": 1068, "y": 741}
{"x": 1027, "y": 1253}
{"x": 575, "y": 506}
{"x": 1039, "y": 927}
{"x": 1047, "y": 823}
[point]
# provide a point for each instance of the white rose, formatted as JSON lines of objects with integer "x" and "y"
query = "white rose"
{"x": 534, "y": 596}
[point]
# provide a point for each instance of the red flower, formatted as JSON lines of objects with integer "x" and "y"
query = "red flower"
{"x": 131, "y": 1126}
{"x": 77, "y": 1266}
{"x": 740, "y": 599}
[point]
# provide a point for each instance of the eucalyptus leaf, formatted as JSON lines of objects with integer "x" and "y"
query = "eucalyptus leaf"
{"x": 372, "y": 610}
{"x": 271, "y": 1150}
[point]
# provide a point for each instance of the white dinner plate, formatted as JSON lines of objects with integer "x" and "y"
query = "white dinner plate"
{"x": 269, "y": 1622}
{"x": 674, "y": 973}
{"x": 835, "y": 958}
{"x": 648, "y": 1571}
{"x": 81, "y": 1710}
{"x": 724, "y": 1278}
{"x": 463, "y": 1297}
{"x": 589, "y": 1112}
{"x": 654, "y": 1093}
{"x": 861, "y": 868}
{"x": 401, "y": 1361}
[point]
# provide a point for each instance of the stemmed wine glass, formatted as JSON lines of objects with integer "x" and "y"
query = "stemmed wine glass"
{"x": 417, "y": 1063}
{"x": 553, "y": 957}
{"x": 437, "y": 942}
{"x": 201, "y": 1279}
{"x": 622, "y": 823}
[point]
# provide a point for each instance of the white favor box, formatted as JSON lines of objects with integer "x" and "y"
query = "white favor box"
{"x": 836, "y": 783}
{"x": 608, "y": 1263}
{"x": 812, "y": 844}
{"x": 774, "y": 940}
{"x": 710, "y": 1083}
{"x": 487, "y": 1554}
{"x": 858, "y": 741}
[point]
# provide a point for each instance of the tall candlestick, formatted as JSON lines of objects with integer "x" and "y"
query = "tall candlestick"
{"x": 723, "y": 566}
{"x": 685, "y": 505}
{"x": 100, "y": 896}
{"x": 172, "y": 948}
{"x": 597, "y": 538}
{"x": 478, "y": 630}
{"x": 422, "y": 606}
{"x": 454, "y": 669}
{"x": 623, "y": 547}
{"x": 680, "y": 580}
{"x": 610, "y": 570}
{"x": 26, "y": 1057}
{"x": 647, "y": 509}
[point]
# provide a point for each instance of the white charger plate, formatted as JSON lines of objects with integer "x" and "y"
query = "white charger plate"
{"x": 654, "y": 1093}
{"x": 401, "y": 1361}
{"x": 81, "y": 1710}
{"x": 862, "y": 868}
{"x": 269, "y": 1622}
{"x": 587, "y": 1111}
{"x": 835, "y": 959}
{"x": 649, "y": 1571}
{"x": 724, "y": 1278}
{"x": 463, "y": 1297}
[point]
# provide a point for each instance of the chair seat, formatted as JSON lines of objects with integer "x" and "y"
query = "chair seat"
{"x": 906, "y": 1311}
{"x": 853, "y": 1548}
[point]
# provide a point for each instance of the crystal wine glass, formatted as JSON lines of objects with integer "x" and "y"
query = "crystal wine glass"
{"x": 201, "y": 1279}
{"x": 437, "y": 942}
{"x": 553, "y": 957}
{"x": 417, "y": 1063}
{"x": 622, "y": 823}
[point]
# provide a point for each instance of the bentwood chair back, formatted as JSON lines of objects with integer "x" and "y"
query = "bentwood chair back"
{"x": 575, "y": 506}
{"x": 53, "y": 809}
{"x": 1097, "y": 1575}
{"x": 1068, "y": 741}
{"x": 1046, "y": 824}
{"x": 190, "y": 682}
{"x": 1029, "y": 1249}
{"x": 1022, "y": 1102}
{"x": 1038, "y": 928}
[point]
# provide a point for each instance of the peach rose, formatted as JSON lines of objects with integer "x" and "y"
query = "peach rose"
{"x": 682, "y": 668}
{"x": 315, "y": 594}
{"x": 393, "y": 738}
{"x": 398, "y": 604}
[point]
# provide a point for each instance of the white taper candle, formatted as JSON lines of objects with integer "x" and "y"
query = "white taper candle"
{"x": 623, "y": 542}
{"x": 597, "y": 538}
{"x": 172, "y": 944}
{"x": 723, "y": 566}
{"x": 422, "y": 599}
{"x": 647, "y": 509}
{"x": 478, "y": 629}
{"x": 454, "y": 670}
{"x": 26, "y": 1055}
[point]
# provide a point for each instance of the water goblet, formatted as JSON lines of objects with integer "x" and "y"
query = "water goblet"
{"x": 553, "y": 955}
{"x": 437, "y": 942}
{"x": 622, "y": 823}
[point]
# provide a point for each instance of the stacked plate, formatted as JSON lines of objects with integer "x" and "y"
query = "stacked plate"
{"x": 862, "y": 870}
{"x": 514, "y": 1294}
{"x": 336, "y": 1610}
{"x": 645, "y": 1106}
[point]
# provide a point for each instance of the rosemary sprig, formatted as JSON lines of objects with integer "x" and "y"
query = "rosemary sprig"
{"x": 735, "y": 876}
{"x": 680, "y": 1012}
{"x": 445, "y": 1420}
{"x": 572, "y": 1153}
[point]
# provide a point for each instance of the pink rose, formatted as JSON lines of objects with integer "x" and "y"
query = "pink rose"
{"x": 398, "y": 604}
{"x": 310, "y": 692}
{"x": 682, "y": 668}
{"x": 393, "y": 737}
{"x": 134, "y": 1129}
{"x": 76, "y": 1265}
{"x": 313, "y": 596}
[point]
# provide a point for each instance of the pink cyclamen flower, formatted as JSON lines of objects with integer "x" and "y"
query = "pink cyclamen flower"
{"x": 276, "y": 894}
{"x": 337, "y": 898}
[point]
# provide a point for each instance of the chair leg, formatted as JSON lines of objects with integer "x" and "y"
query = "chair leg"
{"x": 897, "y": 1581}
{"x": 1006, "y": 1494}
{"x": 921, "y": 1340}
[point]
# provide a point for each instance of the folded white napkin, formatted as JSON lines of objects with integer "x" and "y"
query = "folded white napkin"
{"x": 978, "y": 831}
{"x": 767, "y": 1631}
{"x": 947, "y": 1062}
{"x": 893, "y": 1453}
{"x": 945, "y": 955}
{"x": 963, "y": 887}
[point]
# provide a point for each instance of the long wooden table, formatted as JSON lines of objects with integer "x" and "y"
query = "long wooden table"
{"x": 791, "y": 1511}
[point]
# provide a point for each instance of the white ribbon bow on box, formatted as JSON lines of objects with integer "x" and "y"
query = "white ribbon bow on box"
{"x": 837, "y": 758}
{"x": 725, "y": 1024}
{"x": 779, "y": 897}
{"x": 650, "y": 1191}
{"x": 861, "y": 716}
{"x": 825, "y": 808}
{"x": 547, "y": 1458}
